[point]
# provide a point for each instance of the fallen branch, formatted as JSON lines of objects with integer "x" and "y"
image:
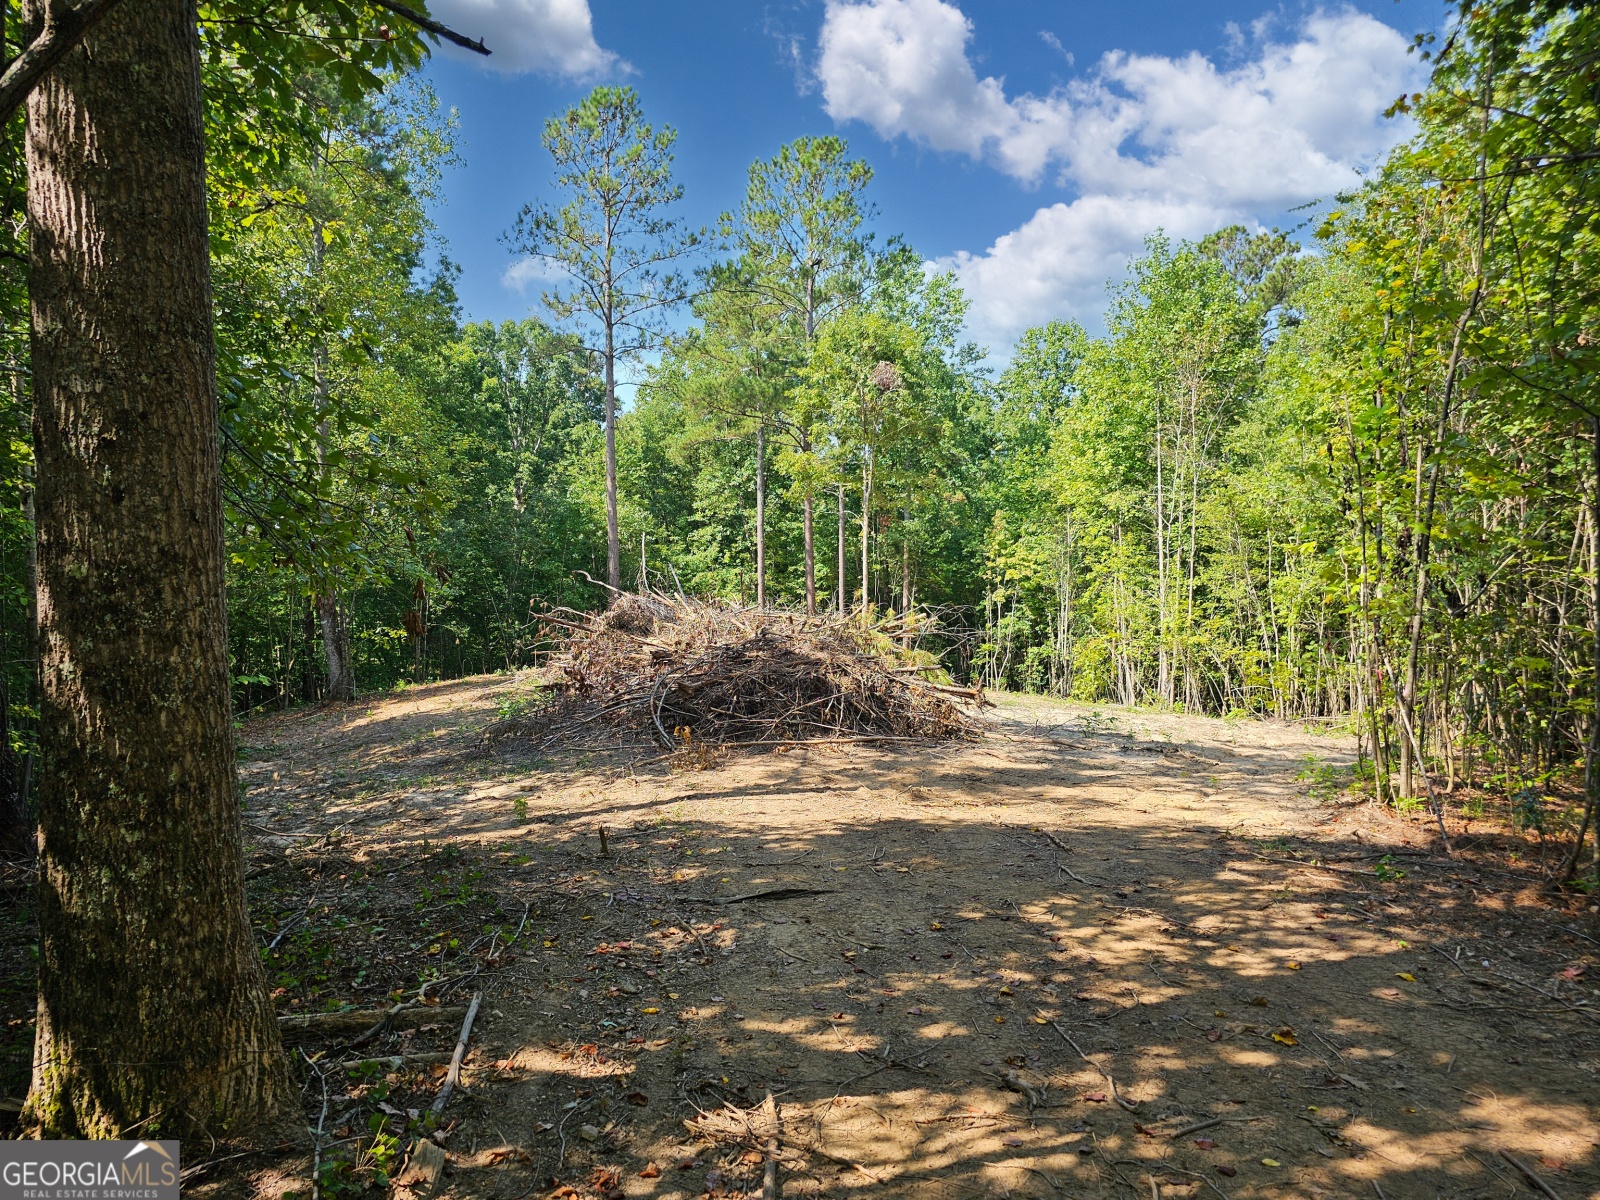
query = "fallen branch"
{"x": 1582, "y": 1012}
{"x": 1207, "y": 1124}
{"x": 769, "y": 1182}
{"x": 1061, "y": 866}
{"x": 301, "y": 1026}
{"x": 1196, "y": 1175}
{"x": 454, "y": 1073}
{"x": 1105, "y": 1074}
{"x": 1527, "y": 1173}
{"x": 786, "y": 893}
{"x": 395, "y": 1062}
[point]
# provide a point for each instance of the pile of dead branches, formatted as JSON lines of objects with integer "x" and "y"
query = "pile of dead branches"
{"x": 684, "y": 671}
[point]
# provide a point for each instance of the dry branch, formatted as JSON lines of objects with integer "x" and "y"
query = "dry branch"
{"x": 454, "y": 1073}
{"x": 299, "y": 1027}
{"x": 696, "y": 673}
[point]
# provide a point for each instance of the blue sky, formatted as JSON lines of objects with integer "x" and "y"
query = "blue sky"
{"x": 1027, "y": 146}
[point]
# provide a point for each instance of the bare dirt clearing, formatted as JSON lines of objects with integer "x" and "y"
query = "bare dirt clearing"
{"x": 1077, "y": 958}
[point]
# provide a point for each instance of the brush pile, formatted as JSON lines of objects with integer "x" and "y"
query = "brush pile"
{"x": 686, "y": 672}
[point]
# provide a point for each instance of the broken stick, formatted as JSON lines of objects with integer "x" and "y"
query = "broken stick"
{"x": 1528, "y": 1173}
{"x": 454, "y": 1073}
{"x": 769, "y": 1182}
{"x": 1199, "y": 1125}
{"x": 1130, "y": 1106}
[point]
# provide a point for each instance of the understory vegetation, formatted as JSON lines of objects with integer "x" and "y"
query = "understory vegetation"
{"x": 1349, "y": 473}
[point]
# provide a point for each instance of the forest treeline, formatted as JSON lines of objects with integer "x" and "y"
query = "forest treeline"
{"x": 1350, "y": 472}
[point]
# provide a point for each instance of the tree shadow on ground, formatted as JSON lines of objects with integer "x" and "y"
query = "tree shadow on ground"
{"x": 1031, "y": 966}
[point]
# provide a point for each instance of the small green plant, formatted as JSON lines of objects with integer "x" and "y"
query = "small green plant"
{"x": 1387, "y": 871}
{"x": 1099, "y": 722}
{"x": 514, "y": 706}
{"x": 1326, "y": 781}
{"x": 520, "y": 807}
{"x": 1527, "y": 809}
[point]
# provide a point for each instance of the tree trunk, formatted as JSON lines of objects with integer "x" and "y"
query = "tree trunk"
{"x": 807, "y": 511}
{"x": 335, "y": 631}
{"x": 308, "y": 660}
{"x": 841, "y": 580}
{"x": 16, "y": 830}
{"x": 336, "y": 646}
{"x": 905, "y": 592}
{"x": 761, "y": 516}
{"x": 151, "y": 998}
{"x": 866, "y": 531}
{"x": 613, "y": 537}
{"x": 1591, "y": 756}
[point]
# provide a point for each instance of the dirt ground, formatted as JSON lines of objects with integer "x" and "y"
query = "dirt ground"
{"x": 1088, "y": 955}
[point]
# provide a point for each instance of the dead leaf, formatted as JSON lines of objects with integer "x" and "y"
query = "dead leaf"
{"x": 1205, "y": 1143}
{"x": 1285, "y": 1037}
{"x": 1258, "y": 1001}
{"x": 650, "y": 1171}
{"x": 637, "y": 1099}
{"x": 1406, "y": 975}
{"x": 1095, "y": 1097}
{"x": 501, "y": 1153}
{"x": 1013, "y": 1140}
{"x": 1226, "y": 1170}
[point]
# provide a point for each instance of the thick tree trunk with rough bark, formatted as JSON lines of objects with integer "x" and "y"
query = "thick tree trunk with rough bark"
{"x": 151, "y": 999}
{"x": 336, "y": 648}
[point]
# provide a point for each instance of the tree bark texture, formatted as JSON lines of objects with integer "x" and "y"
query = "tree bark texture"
{"x": 152, "y": 1006}
{"x": 613, "y": 536}
{"x": 336, "y": 648}
{"x": 811, "y": 556}
{"x": 761, "y": 516}
{"x": 840, "y": 579}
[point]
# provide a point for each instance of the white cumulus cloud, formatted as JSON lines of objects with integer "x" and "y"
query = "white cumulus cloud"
{"x": 530, "y": 270}
{"x": 552, "y": 37}
{"x": 1139, "y": 142}
{"x": 1056, "y": 263}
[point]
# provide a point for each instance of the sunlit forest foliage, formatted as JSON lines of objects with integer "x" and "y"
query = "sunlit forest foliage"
{"x": 1349, "y": 472}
